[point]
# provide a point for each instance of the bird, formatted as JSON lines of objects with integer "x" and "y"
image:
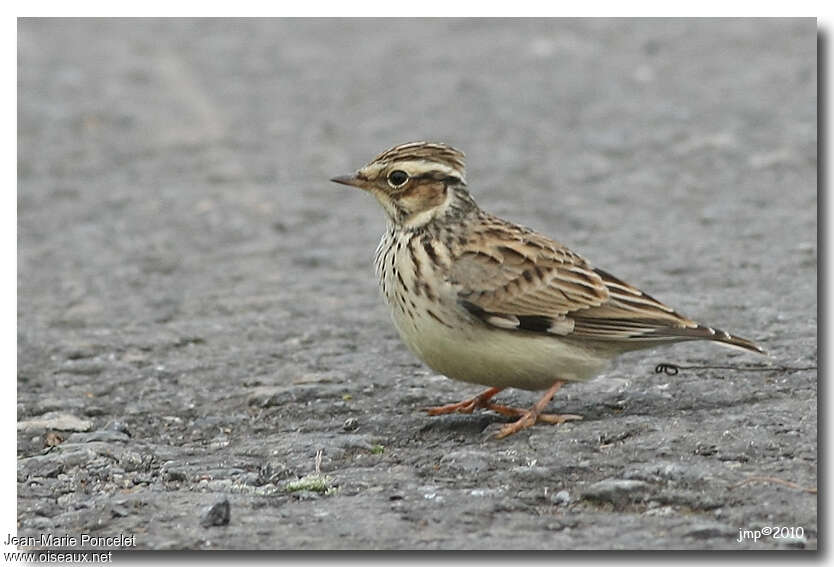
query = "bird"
{"x": 486, "y": 301}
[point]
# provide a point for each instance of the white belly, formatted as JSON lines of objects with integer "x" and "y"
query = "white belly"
{"x": 493, "y": 357}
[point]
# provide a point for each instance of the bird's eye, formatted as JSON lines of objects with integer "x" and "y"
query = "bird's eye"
{"x": 397, "y": 178}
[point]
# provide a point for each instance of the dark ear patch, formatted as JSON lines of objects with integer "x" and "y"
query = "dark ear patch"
{"x": 421, "y": 195}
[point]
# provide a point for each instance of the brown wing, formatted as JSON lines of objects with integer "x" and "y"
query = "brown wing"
{"x": 515, "y": 279}
{"x": 524, "y": 281}
{"x": 630, "y": 314}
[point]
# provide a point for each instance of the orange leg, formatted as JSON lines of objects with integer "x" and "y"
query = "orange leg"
{"x": 527, "y": 417}
{"x": 534, "y": 414}
{"x": 543, "y": 417}
{"x": 466, "y": 406}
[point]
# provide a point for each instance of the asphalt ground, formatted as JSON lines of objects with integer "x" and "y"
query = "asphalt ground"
{"x": 198, "y": 315}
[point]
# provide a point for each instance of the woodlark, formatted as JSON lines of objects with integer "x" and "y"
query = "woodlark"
{"x": 486, "y": 301}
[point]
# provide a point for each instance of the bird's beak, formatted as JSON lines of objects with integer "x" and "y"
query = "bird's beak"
{"x": 352, "y": 180}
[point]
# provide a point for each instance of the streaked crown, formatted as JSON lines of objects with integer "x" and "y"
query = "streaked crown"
{"x": 428, "y": 156}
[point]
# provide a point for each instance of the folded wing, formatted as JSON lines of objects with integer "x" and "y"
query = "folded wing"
{"x": 516, "y": 279}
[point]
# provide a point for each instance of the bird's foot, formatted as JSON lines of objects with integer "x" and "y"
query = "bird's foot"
{"x": 466, "y": 406}
{"x": 529, "y": 418}
{"x": 533, "y": 415}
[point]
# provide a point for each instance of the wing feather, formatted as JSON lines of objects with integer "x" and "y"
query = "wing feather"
{"x": 507, "y": 275}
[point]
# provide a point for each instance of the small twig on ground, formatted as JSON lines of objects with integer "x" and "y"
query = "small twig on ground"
{"x": 672, "y": 369}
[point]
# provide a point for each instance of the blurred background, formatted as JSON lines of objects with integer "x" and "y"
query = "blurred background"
{"x": 149, "y": 147}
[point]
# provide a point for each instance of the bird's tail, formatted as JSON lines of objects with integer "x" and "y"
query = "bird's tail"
{"x": 719, "y": 336}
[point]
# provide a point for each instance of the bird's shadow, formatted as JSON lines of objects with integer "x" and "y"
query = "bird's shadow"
{"x": 612, "y": 407}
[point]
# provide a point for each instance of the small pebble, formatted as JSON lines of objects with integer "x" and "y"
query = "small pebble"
{"x": 55, "y": 421}
{"x": 616, "y": 491}
{"x": 119, "y": 510}
{"x": 218, "y": 514}
{"x": 52, "y": 439}
{"x": 561, "y": 498}
{"x": 175, "y": 476}
{"x": 119, "y": 426}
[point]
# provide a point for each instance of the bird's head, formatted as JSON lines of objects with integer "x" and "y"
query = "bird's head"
{"x": 414, "y": 182}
